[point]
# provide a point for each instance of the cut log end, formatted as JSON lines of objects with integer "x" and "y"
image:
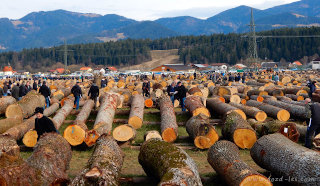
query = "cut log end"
{"x": 135, "y": 122}
{"x": 30, "y": 138}
{"x": 244, "y": 138}
{"x": 243, "y": 101}
{"x": 13, "y": 111}
{"x": 91, "y": 138}
{"x": 74, "y": 134}
{"x": 148, "y": 103}
{"x": 201, "y": 110}
{"x": 260, "y": 99}
{"x": 123, "y": 133}
{"x": 283, "y": 115}
{"x": 152, "y": 134}
{"x": 169, "y": 135}
{"x": 261, "y": 116}
{"x": 243, "y": 115}
{"x": 93, "y": 173}
{"x": 207, "y": 140}
{"x": 256, "y": 180}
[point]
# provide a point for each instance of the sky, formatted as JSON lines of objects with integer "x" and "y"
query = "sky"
{"x": 134, "y": 9}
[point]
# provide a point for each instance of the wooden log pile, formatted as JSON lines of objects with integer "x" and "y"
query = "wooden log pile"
{"x": 272, "y": 111}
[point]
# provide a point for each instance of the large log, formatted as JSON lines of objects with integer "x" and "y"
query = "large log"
{"x": 6, "y": 124}
{"x": 256, "y": 92}
{"x": 8, "y": 146}
{"x": 195, "y": 91}
{"x": 293, "y": 102}
{"x": 232, "y": 98}
{"x": 169, "y": 126}
{"x": 295, "y": 90}
{"x": 221, "y": 90}
{"x": 272, "y": 111}
{"x": 136, "y": 111}
{"x": 104, "y": 119}
{"x": 124, "y": 133}
{"x": 5, "y": 102}
{"x": 26, "y": 106}
{"x": 46, "y": 166}
{"x": 239, "y": 131}
{"x": 168, "y": 163}
{"x": 152, "y": 134}
{"x": 253, "y": 112}
{"x": 203, "y": 134}
{"x": 104, "y": 166}
{"x": 76, "y": 133}
{"x": 283, "y": 157}
{"x": 195, "y": 106}
{"x": 295, "y": 97}
{"x": 216, "y": 107}
{"x": 224, "y": 158}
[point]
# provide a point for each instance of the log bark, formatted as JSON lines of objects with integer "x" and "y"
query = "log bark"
{"x": 124, "y": 133}
{"x": 216, "y": 107}
{"x": 169, "y": 126}
{"x": 272, "y": 111}
{"x": 295, "y": 90}
{"x": 221, "y": 90}
{"x": 283, "y": 157}
{"x": 9, "y": 147}
{"x": 136, "y": 111}
{"x": 253, "y": 112}
{"x": 295, "y": 97}
{"x": 195, "y": 91}
{"x": 152, "y": 134}
{"x": 195, "y": 106}
{"x": 293, "y": 102}
{"x": 203, "y": 134}
{"x": 6, "y": 124}
{"x": 46, "y": 166}
{"x": 224, "y": 158}
{"x": 239, "y": 131}
{"x": 232, "y": 98}
{"x": 256, "y": 92}
{"x": 168, "y": 163}
{"x": 76, "y": 133}
{"x": 104, "y": 166}
{"x": 104, "y": 119}
{"x": 5, "y": 102}
{"x": 257, "y": 98}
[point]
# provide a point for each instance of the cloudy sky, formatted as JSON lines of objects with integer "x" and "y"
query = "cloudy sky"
{"x": 136, "y": 9}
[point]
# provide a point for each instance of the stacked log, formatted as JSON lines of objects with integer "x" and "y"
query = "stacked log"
{"x": 9, "y": 147}
{"x": 295, "y": 90}
{"x": 295, "y": 97}
{"x": 221, "y": 90}
{"x": 5, "y": 102}
{"x": 203, "y": 134}
{"x": 222, "y": 109}
{"x": 6, "y": 124}
{"x": 232, "y": 98}
{"x": 195, "y": 91}
{"x": 168, "y": 163}
{"x": 124, "y": 133}
{"x": 272, "y": 111}
{"x": 224, "y": 158}
{"x": 256, "y": 92}
{"x": 76, "y": 133}
{"x": 281, "y": 156}
{"x": 104, "y": 166}
{"x": 136, "y": 111}
{"x": 257, "y": 98}
{"x": 169, "y": 126}
{"x": 253, "y": 112}
{"x": 303, "y": 104}
{"x": 195, "y": 106}
{"x": 239, "y": 131}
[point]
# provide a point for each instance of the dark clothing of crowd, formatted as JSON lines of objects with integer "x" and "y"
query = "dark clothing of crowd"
{"x": 44, "y": 125}
{"x": 93, "y": 92}
{"x": 76, "y": 91}
{"x": 45, "y": 91}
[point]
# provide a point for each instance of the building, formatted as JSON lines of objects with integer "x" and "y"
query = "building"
{"x": 201, "y": 67}
{"x": 219, "y": 66}
{"x": 270, "y": 65}
{"x": 8, "y": 71}
{"x": 174, "y": 68}
{"x": 315, "y": 64}
{"x": 86, "y": 69}
{"x": 111, "y": 69}
{"x": 295, "y": 64}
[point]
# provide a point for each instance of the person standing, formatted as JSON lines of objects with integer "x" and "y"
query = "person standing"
{"x": 35, "y": 85}
{"x": 313, "y": 123}
{"x": 94, "y": 93}
{"x": 45, "y": 91}
{"x": 5, "y": 88}
{"x": 146, "y": 88}
{"x": 1, "y": 92}
{"x": 15, "y": 91}
{"x": 312, "y": 86}
{"x": 28, "y": 87}
{"x": 276, "y": 78}
{"x": 172, "y": 92}
{"x": 22, "y": 90}
{"x": 42, "y": 123}
{"x": 181, "y": 95}
{"x": 77, "y": 93}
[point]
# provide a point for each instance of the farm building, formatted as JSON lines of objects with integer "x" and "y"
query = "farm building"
{"x": 174, "y": 68}
{"x": 7, "y": 70}
{"x": 315, "y": 64}
{"x": 219, "y": 66}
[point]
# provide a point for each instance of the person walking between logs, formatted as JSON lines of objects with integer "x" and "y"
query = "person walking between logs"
{"x": 42, "y": 123}
{"x": 146, "y": 88}
{"x": 45, "y": 91}
{"x": 314, "y": 122}
{"x": 94, "y": 93}
{"x": 35, "y": 85}
{"x": 312, "y": 86}
{"x": 181, "y": 95}
{"x": 77, "y": 93}
{"x": 171, "y": 90}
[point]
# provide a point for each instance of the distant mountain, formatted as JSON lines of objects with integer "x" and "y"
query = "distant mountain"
{"x": 46, "y": 29}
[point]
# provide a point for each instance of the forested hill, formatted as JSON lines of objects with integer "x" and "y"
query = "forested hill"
{"x": 230, "y": 48}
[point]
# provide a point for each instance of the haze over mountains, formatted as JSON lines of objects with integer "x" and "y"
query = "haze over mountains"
{"x": 46, "y": 29}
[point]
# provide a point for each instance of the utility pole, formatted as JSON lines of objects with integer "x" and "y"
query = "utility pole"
{"x": 253, "y": 51}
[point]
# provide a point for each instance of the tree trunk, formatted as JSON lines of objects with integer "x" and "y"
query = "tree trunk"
{"x": 124, "y": 133}
{"x": 203, "y": 134}
{"x": 76, "y": 133}
{"x": 256, "y": 92}
{"x": 8, "y": 146}
{"x": 232, "y": 98}
{"x": 104, "y": 166}
{"x": 272, "y": 111}
{"x": 104, "y": 119}
{"x": 295, "y": 97}
{"x": 46, "y": 166}
{"x": 239, "y": 131}
{"x": 253, "y": 112}
{"x": 195, "y": 106}
{"x": 283, "y": 157}
{"x": 293, "y": 102}
{"x": 5, "y": 102}
{"x": 169, "y": 126}
{"x": 168, "y": 163}
{"x": 221, "y": 109}
{"x": 26, "y": 106}
{"x": 224, "y": 158}
{"x": 6, "y": 124}
{"x": 295, "y": 90}
{"x": 195, "y": 91}
{"x": 257, "y": 98}
{"x": 221, "y": 91}
{"x": 152, "y": 134}
{"x": 136, "y": 111}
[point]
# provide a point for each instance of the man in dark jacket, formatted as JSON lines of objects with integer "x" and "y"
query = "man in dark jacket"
{"x": 15, "y": 91}
{"x": 312, "y": 86}
{"x": 314, "y": 122}
{"x": 35, "y": 85}
{"x": 77, "y": 93}
{"x": 45, "y": 91}
{"x": 146, "y": 88}
{"x": 94, "y": 93}
{"x": 22, "y": 90}
{"x": 42, "y": 123}
{"x": 28, "y": 87}
{"x": 172, "y": 92}
{"x": 1, "y": 92}
{"x": 5, "y": 88}
{"x": 181, "y": 95}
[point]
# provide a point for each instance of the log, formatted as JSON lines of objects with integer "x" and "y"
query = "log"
{"x": 253, "y": 112}
{"x": 221, "y": 91}
{"x": 26, "y": 106}
{"x": 6, "y": 124}
{"x": 76, "y": 133}
{"x": 8, "y": 146}
{"x": 195, "y": 106}
{"x": 256, "y": 92}
{"x": 136, "y": 111}
{"x": 297, "y": 112}
{"x": 283, "y": 157}
{"x": 104, "y": 119}
{"x": 272, "y": 111}
{"x": 294, "y": 102}
{"x": 295, "y": 97}
{"x": 257, "y": 98}
{"x": 316, "y": 142}
{"x": 295, "y": 90}
{"x": 239, "y": 131}
{"x": 221, "y": 109}
{"x": 232, "y": 98}
{"x": 5, "y": 102}
{"x": 203, "y": 134}
{"x": 104, "y": 166}
{"x": 46, "y": 166}
{"x": 148, "y": 103}
{"x": 169, "y": 126}
{"x": 152, "y": 134}
{"x": 124, "y": 133}
{"x": 195, "y": 91}
{"x": 224, "y": 158}
{"x": 168, "y": 163}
